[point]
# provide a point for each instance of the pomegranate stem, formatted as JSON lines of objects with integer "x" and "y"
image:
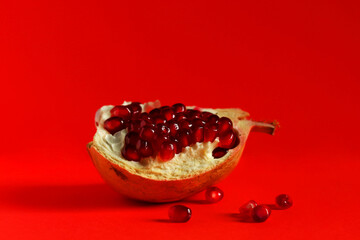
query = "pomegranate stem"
{"x": 265, "y": 127}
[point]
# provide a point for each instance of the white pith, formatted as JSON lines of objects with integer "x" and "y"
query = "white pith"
{"x": 193, "y": 160}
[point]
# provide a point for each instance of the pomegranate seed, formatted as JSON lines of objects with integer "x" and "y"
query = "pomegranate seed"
{"x": 261, "y": 213}
{"x": 179, "y": 213}
{"x": 184, "y": 137}
{"x": 198, "y": 134}
{"x": 227, "y": 139}
{"x": 180, "y": 116}
{"x": 167, "y": 150}
{"x": 214, "y": 194}
{"x": 179, "y": 107}
{"x": 246, "y": 209}
{"x": 129, "y": 152}
{"x": 168, "y": 113}
{"x": 283, "y": 201}
{"x": 158, "y": 120}
{"x": 144, "y": 123}
{"x": 225, "y": 124}
{"x": 173, "y": 126}
{"x": 213, "y": 119}
{"x": 154, "y": 113}
{"x": 162, "y": 129}
{"x": 147, "y": 133}
{"x": 184, "y": 124}
{"x": 144, "y": 148}
{"x": 210, "y": 132}
{"x": 192, "y": 114}
{"x": 135, "y": 108}
{"x": 145, "y": 116}
{"x": 131, "y": 138}
{"x": 178, "y": 146}
{"x": 205, "y": 115}
{"x": 219, "y": 152}
{"x": 114, "y": 124}
{"x": 134, "y": 126}
{"x": 121, "y": 111}
{"x": 198, "y": 122}
{"x": 158, "y": 141}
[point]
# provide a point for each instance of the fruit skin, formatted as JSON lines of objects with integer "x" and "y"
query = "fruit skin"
{"x": 128, "y": 182}
{"x": 151, "y": 190}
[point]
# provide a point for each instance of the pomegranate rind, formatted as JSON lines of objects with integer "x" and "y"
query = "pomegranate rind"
{"x": 151, "y": 190}
{"x": 136, "y": 186}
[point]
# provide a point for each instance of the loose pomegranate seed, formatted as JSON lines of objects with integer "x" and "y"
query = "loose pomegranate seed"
{"x": 210, "y": 132}
{"x": 198, "y": 122}
{"x": 214, "y": 194}
{"x": 180, "y": 116}
{"x": 121, "y": 111}
{"x": 114, "y": 124}
{"x": 147, "y": 133}
{"x": 131, "y": 138}
{"x": 219, "y": 152}
{"x": 183, "y": 136}
{"x": 184, "y": 124}
{"x": 192, "y": 114}
{"x": 144, "y": 148}
{"x": 162, "y": 129}
{"x": 129, "y": 152}
{"x": 213, "y": 119}
{"x": 179, "y": 213}
{"x": 167, "y": 150}
{"x": 227, "y": 139}
{"x": 168, "y": 113}
{"x": 225, "y": 124}
{"x": 154, "y": 113}
{"x": 246, "y": 209}
{"x": 173, "y": 126}
{"x": 205, "y": 115}
{"x": 261, "y": 213}
{"x": 134, "y": 126}
{"x": 179, "y": 107}
{"x": 135, "y": 108}
{"x": 284, "y": 201}
{"x": 198, "y": 134}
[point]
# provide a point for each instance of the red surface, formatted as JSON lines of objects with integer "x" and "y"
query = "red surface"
{"x": 294, "y": 62}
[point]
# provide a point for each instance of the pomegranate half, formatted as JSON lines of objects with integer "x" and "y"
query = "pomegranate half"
{"x": 190, "y": 172}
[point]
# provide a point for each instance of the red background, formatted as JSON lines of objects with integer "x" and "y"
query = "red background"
{"x": 296, "y": 62}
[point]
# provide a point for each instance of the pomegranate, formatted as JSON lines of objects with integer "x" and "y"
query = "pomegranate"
{"x": 164, "y": 154}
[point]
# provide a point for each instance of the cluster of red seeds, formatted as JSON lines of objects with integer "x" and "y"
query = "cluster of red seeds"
{"x": 167, "y": 130}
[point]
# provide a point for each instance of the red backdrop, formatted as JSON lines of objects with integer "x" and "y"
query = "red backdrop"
{"x": 296, "y": 62}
